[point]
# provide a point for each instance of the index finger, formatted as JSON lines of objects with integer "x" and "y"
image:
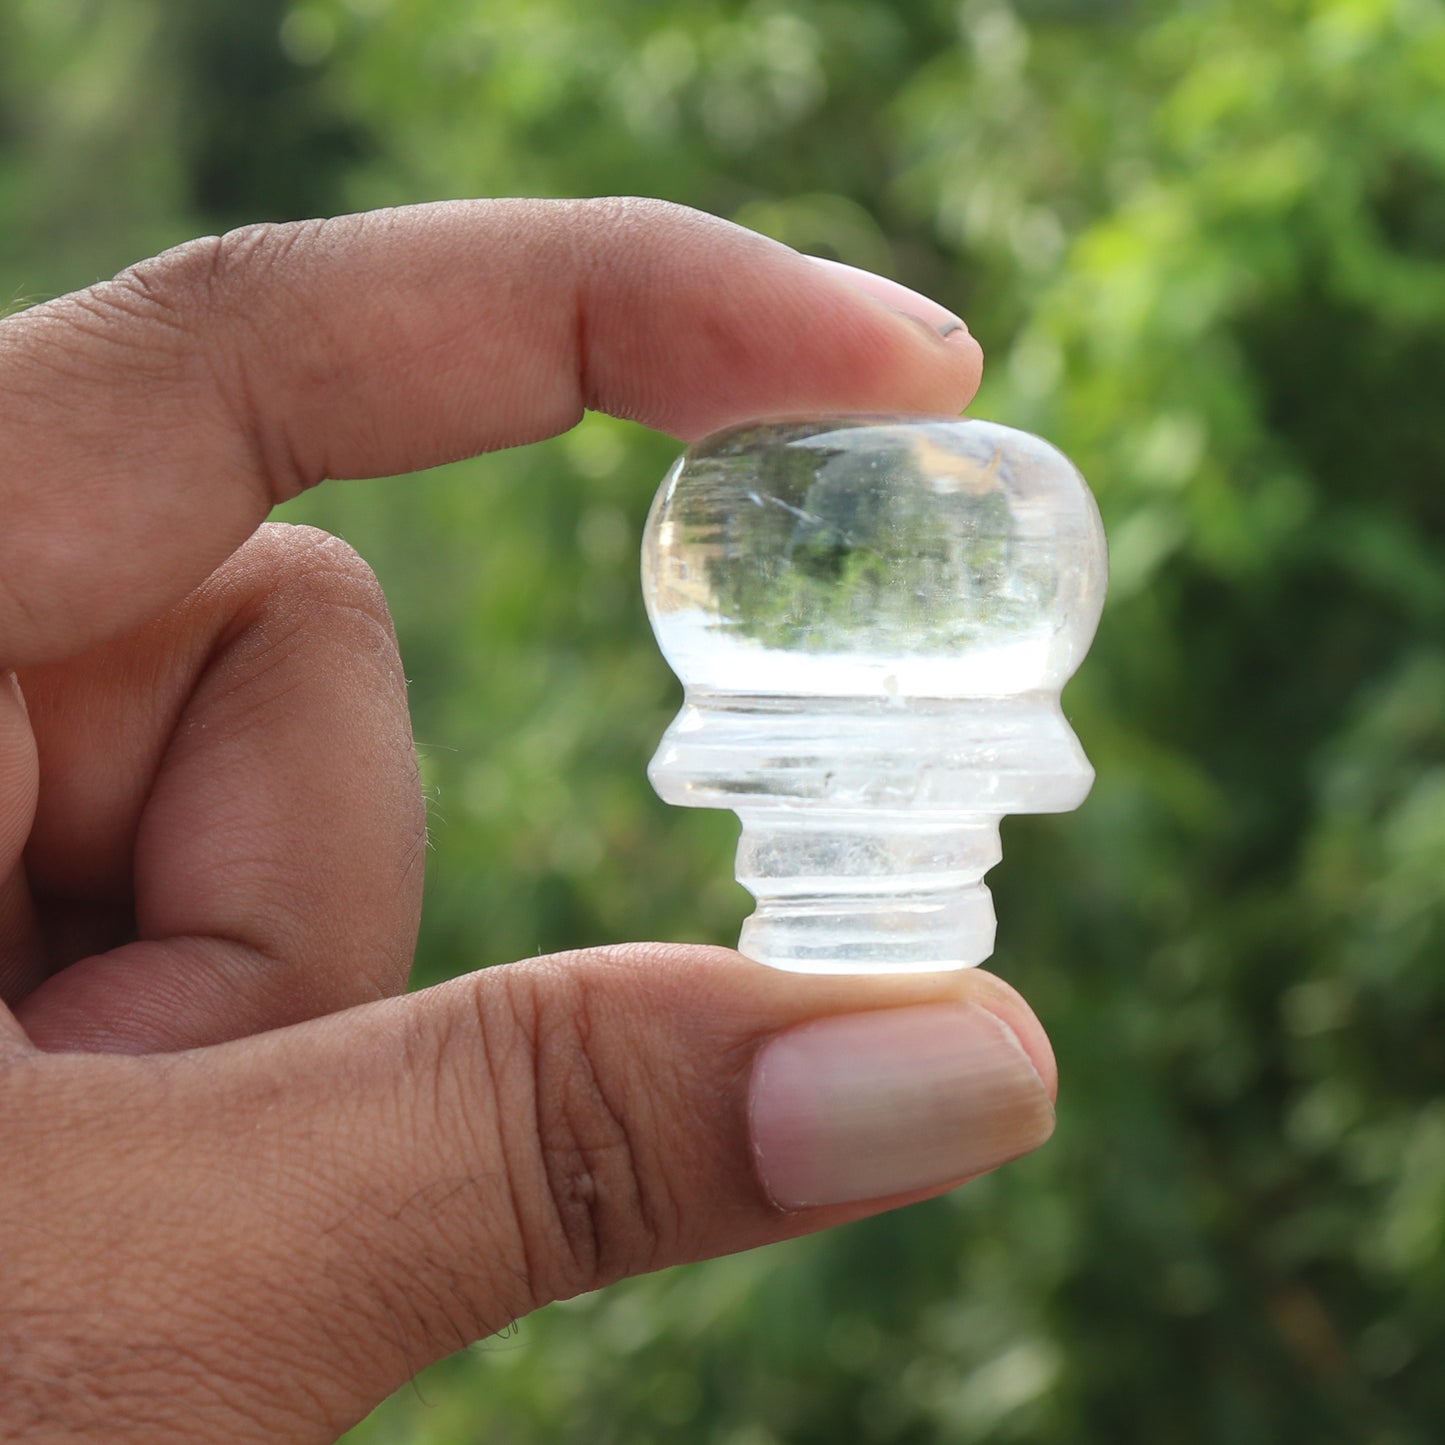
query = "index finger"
{"x": 148, "y": 424}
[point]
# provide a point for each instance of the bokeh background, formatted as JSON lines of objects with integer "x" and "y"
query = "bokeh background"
{"x": 1204, "y": 245}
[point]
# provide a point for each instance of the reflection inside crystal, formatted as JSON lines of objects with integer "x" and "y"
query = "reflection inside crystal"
{"x": 875, "y": 557}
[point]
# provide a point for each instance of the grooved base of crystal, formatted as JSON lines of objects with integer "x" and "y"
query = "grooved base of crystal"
{"x": 886, "y": 893}
{"x": 869, "y": 823}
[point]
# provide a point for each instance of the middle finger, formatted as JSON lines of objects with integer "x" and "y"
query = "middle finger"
{"x": 239, "y": 779}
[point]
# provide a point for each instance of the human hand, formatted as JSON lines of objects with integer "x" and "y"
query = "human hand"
{"x": 250, "y": 1190}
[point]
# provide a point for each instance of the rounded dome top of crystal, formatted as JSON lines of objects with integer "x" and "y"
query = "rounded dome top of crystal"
{"x": 874, "y": 556}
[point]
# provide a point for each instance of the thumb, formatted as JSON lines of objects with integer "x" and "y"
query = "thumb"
{"x": 382, "y": 1187}
{"x": 532, "y": 1132}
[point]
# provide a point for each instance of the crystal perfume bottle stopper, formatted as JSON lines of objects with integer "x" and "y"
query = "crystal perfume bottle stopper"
{"x": 872, "y": 618}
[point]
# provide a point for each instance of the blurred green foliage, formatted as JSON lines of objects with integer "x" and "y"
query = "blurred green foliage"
{"x": 1205, "y": 245}
{"x": 807, "y": 546}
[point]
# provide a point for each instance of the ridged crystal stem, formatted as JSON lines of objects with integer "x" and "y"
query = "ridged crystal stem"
{"x": 840, "y": 893}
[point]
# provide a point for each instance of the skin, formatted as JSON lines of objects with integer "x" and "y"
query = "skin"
{"x": 250, "y": 1187}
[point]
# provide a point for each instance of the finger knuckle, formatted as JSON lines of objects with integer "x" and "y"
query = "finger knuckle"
{"x": 592, "y": 1199}
{"x": 188, "y": 287}
{"x": 208, "y": 305}
{"x": 307, "y": 581}
{"x": 148, "y": 318}
{"x": 215, "y": 272}
{"x": 305, "y": 611}
{"x": 173, "y": 288}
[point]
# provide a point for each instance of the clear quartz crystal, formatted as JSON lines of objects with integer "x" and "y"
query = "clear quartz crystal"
{"x": 872, "y": 618}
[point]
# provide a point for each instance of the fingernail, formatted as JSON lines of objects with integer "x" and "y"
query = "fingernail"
{"x": 913, "y": 304}
{"x": 865, "y": 1106}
